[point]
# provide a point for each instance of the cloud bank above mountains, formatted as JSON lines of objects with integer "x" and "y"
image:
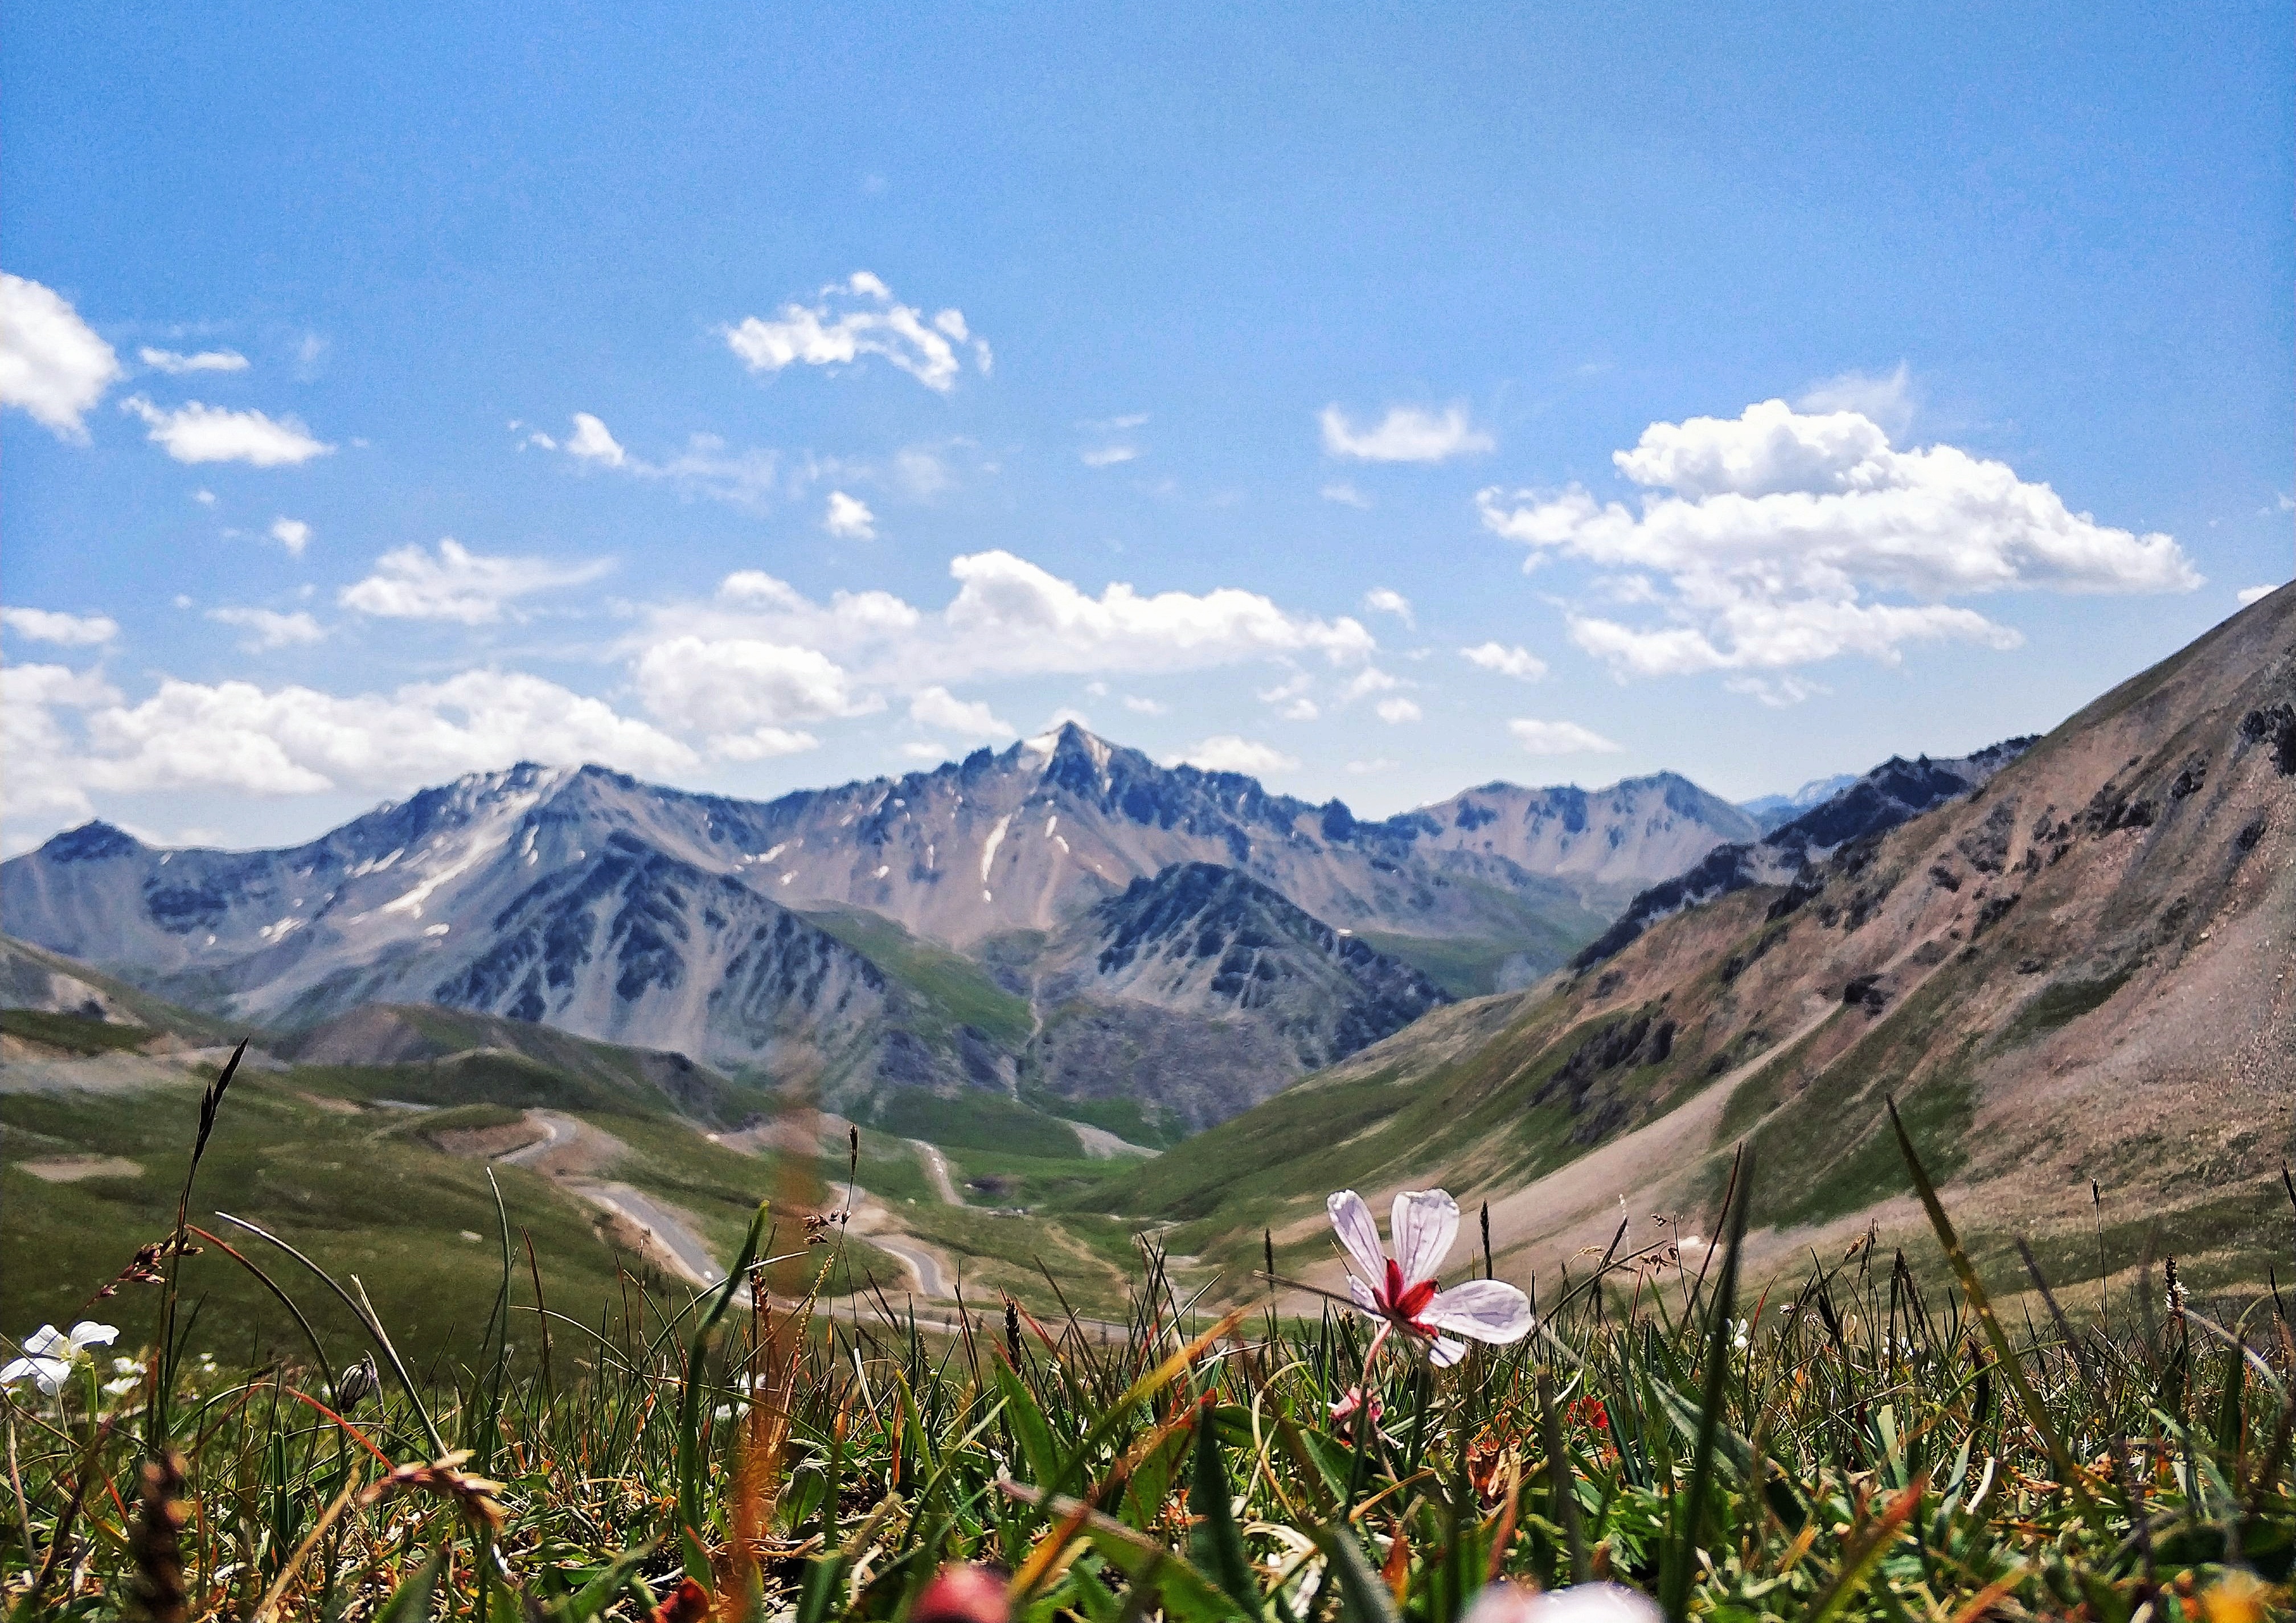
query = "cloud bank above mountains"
{"x": 1749, "y": 547}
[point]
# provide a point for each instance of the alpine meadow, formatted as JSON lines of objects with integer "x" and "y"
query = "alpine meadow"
{"x": 1310, "y": 814}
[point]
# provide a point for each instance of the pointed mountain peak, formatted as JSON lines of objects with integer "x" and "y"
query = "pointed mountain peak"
{"x": 92, "y": 842}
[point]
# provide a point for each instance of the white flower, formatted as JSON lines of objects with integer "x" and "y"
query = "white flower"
{"x": 126, "y": 1366}
{"x": 50, "y": 1354}
{"x": 1506, "y": 1602}
{"x": 123, "y": 1386}
{"x": 1401, "y": 1291}
{"x": 1741, "y": 1335}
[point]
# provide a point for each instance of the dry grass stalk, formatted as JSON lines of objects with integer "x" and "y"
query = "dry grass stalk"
{"x": 155, "y": 1540}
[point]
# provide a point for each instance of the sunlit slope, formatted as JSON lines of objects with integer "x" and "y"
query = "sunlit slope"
{"x": 2080, "y": 972}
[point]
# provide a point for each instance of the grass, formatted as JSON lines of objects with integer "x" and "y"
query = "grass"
{"x": 975, "y": 1119}
{"x": 72, "y": 1033}
{"x": 2060, "y": 1003}
{"x": 955, "y": 989}
{"x": 1850, "y": 1446}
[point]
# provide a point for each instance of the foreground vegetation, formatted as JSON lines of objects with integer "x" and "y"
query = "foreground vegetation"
{"x": 1847, "y": 1447}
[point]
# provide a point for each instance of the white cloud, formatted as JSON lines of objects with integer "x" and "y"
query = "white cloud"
{"x": 1139, "y": 706}
{"x": 860, "y": 316}
{"x": 1345, "y": 495}
{"x": 1395, "y": 712}
{"x": 458, "y": 584}
{"x": 1406, "y": 434}
{"x": 52, "y": 363}
{"x": 744, "y": 692}
{"x": 1771, "y": 527}
{"x": 590, "y": 442}
{"x": 1386, "y": 600}
{"x": 1517, "y": 662}
{"x": 68, "y": 735}
{"x": 197, "y": 433}
{"x": 205, "y": 498}
{"x": 1299, "y": 709}
{"x": 1115, "y": 425}
{"x": 270, "y": 629}
{"x": 292, "y": 534}
{"x": 67, "y": 630}
{"x": 1109, "y": 456}
{"x": 1887, "y": 398}
{"x": 2252, "y": 594}
{"x": 944, "y": 711}
{"x": 175, "y": 363}
{"x": 849, "y": 518}
{"x": 1011, "y": 615}
{"x": 1560, "y": 738}
{"x": 1369, "y": 680}
{"x": 1226, "y": 752}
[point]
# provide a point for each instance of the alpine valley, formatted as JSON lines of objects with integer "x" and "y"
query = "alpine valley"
{"x": 992, "y": 993}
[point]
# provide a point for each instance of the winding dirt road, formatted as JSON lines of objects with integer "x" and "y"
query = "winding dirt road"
{"x": 936, "y": 1169}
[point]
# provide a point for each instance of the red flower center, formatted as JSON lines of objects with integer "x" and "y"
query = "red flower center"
{"x": 1405, "y": 1303}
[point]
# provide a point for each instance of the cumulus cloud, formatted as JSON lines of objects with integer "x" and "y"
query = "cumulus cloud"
{"x": 1516, "y": 661}
{"x": 197, "y": 433}
{"x": 66, "y": 630}
{"x": 1406, "y": 434}
{"x": 1227, "y": 752}
{"x": 1887, "y": 397}
{"x": 267, "y": 629}
{"x": 1369, "y": 680}
{"x": 2248, "y": 595}
{"x": 1011, "y": 615}
{"x": 176, "y": 364}
{"x": 292, "y": 534}
{"x": 1109, "y": 455}
{"x": 1774, "y": 529}
{"x": 849, "y": 518}
{"x": 68, "y": 735}
{"x": 458, "y": 584}
{"x": 1560, "y": 738}
{"x": 1345, "y": 495}
{"x": 590, "y": 442}
{"x": 52, "y": 363}
{"x": 857, "y": 317}
{"x": 744, "y": 693}
{"x": 1386, "y": 600}
{"x": 944, "y": 711}
{"x": 1395, "y": 711}
{"x": 1140, "y": 706}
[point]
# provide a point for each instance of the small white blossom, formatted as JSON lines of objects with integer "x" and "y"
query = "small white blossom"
{"x": 50, "y": 1354}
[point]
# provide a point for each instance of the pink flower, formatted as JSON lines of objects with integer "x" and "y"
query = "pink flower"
{"x": 1347, "y": 1407}
{"x": 1401, "y": 1289}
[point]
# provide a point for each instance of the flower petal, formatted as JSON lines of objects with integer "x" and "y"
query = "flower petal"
{"x": 88, "y": 1333}
{"x": 1425, "y": 1221}
{"x": 1487, "y": 1310}
{"x": 1445, "y": 1352}
{"x": 1592, "y": 1603}
{"x": 1358, "y": 1231}
{"x": 45, "y": 1340}
{"x": 1365, "y": 1298}
{"x": 14, "y": 1370}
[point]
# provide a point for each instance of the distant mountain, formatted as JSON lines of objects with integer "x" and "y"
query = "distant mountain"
{"x": 1768, "y": 811}
{"x": 1201, "y": 991}
{"x": 822, "y": 938}
{"x": 2077, "y": 968}
{"x": 1894, "y": 792}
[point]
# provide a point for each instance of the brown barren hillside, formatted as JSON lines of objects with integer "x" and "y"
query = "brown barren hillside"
{"x": 2081, "y": 971}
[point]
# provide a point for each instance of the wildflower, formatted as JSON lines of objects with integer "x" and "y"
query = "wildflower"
{"x": 1401, "y": 1289}
{"x": 964, "y": 1593}
{"x": 689, "y": 1602}
{"x": 1343, "y": 1412}
{"x": 49, "y": 1354}
{"x": 1506, "y": 1602}
{"x": 1741, "y": 1335}
{"x": 123, "y": 1386}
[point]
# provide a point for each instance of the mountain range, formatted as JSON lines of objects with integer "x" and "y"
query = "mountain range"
{"x": 2072, "y": 974}
{"x": 1019, "y": 921}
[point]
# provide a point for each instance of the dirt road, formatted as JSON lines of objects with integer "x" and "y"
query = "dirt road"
{"x": 936, "y": 1169}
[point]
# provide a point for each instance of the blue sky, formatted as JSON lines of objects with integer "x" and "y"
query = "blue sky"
{"x": 800, "y": 391}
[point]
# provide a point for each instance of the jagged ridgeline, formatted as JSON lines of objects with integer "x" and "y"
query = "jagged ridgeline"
{"x": 943, "y": 931}
{"x": 2066, "y": 959}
